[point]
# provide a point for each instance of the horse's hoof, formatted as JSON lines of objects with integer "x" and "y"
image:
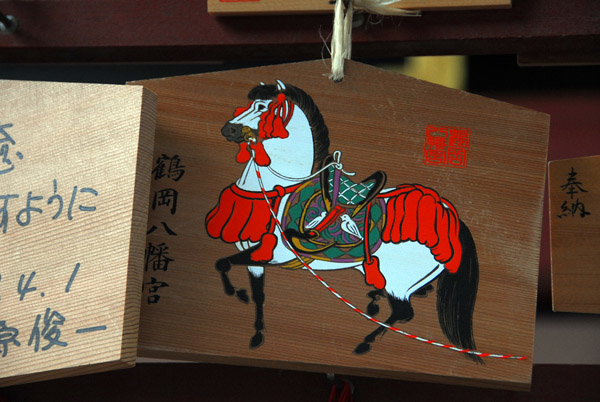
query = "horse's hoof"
{"x": 229, "y": 290}
{"x": 243, "y": 296}
{"x": 362, "y": 348}
{"x": 372, "y": 309}
{"x": 227, "y": 286}
{"x": 257, "y": 340}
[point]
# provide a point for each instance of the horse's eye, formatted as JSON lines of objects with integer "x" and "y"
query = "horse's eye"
{"x": 261, "y": 107}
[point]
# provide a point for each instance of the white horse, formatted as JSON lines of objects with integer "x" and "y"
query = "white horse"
{"x": 284, "y": 142}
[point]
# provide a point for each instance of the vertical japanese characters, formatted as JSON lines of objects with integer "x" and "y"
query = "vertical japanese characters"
{"x": 158, "y": 257}
{"x": 574, "y": 191}
{"x": 7, "y": 162}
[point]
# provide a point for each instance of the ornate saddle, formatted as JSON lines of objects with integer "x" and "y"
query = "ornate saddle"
{"x": 330, "y": 217}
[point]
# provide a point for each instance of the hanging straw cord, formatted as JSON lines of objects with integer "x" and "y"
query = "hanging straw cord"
{"x": 341, "y": 40}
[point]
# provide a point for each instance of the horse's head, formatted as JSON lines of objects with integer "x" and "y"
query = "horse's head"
{"x": 268, "y": 116}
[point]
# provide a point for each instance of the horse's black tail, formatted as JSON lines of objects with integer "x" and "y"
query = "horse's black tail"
{"x": 456, "y": 294}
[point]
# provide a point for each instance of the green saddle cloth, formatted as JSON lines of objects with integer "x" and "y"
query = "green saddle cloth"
{"x": 333, "y": 243}
{"x": 349, "y": 193}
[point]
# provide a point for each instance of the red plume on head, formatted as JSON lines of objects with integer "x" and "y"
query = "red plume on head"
{"x": 272, "y": 123}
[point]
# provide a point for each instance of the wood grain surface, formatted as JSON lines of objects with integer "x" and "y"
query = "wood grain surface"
{"x": 574, "y": 188}
{"x": 378, "y": 120}
{"x": 73, "y": 210}
{"x": 232, "y": 7}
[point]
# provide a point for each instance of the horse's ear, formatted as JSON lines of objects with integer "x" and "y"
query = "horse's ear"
{"x": 280, "y": 86}
{"x": 262, "y": 83}
{"x": 238, "y": 111}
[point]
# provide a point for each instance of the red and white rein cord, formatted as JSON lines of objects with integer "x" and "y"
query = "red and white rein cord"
{"x": 347, "y": 303}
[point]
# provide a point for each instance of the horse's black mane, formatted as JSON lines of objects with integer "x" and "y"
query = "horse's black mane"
{"x": 305, "y": 102}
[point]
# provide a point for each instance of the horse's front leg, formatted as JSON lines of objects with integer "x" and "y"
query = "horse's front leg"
{"x": 257, "y": 284}
{"x": 224, "y": 265}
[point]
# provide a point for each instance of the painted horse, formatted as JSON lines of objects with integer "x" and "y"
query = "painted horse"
{"x": 295, "y": 204}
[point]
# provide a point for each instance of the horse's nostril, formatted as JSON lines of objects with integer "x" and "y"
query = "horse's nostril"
{"x": 233, "y": 132}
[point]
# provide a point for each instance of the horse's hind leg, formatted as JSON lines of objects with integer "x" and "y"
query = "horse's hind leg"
{"x": 257, "y": 284}
{"x": 401, "y": 311}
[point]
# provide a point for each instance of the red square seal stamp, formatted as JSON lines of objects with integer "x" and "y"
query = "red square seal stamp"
{"x": 446, "y": 146}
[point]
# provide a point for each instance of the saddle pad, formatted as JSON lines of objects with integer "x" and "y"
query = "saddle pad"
{"x": 333, "y": 243}
{"x": 349, "y": 193}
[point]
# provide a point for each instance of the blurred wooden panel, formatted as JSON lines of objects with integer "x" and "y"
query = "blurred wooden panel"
{"x": 236, "y": 7}
{"x": 574, "y": 188}
{"x": 174, "y": 30}
{"x": 574, "y": 121}
{"x": 560, "y": 59}
{"x": 379, "y": 120}
{"x": 74, "y": 163}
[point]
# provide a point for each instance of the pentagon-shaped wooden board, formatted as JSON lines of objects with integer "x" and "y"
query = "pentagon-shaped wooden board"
{"x": 74, "y": 185}
{"x": 574, "y": 188}
{"x": 485, "y": 161}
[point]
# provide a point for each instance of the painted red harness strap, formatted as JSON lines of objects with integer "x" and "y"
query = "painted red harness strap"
{"x": 278, "y": 191}
{"x": 373, "y": 275}
{"x": 329, "y": 218}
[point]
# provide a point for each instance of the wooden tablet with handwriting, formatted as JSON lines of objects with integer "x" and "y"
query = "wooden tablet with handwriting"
{"x": 74, "y": 183}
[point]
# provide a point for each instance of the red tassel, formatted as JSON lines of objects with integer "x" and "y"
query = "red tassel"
{"x": 373, "y": 275}
{"x": 271, "y": 124}
{"x": 262, "y": 159}
{"x": 279, "y": 130}
{"x": 334, "y": 394}
{"x": 346, "y": 394}
{"x": 243, "y": 155}
{"x": 343, "y": 395}
{"x": 264, "y": 252}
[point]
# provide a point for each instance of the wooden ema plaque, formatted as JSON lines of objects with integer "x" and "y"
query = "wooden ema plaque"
{"x": 436, "y": 234}
{"x": 232, "y": 7}
{"x": 574, "y": 188}
{"x": 74, "y": 184}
